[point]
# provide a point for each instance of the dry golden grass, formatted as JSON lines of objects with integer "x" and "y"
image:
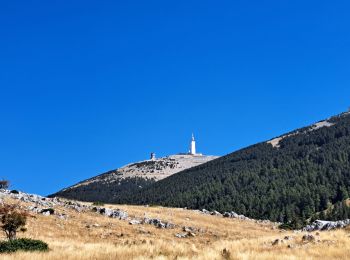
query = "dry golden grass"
{"x": 221, "y": 239}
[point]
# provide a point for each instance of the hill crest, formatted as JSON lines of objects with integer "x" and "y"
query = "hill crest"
{"x": 133, "y": 176}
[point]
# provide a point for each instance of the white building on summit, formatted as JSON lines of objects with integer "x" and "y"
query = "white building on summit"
{"x": 192, "y": 146}
{"x": 192, "y": 150}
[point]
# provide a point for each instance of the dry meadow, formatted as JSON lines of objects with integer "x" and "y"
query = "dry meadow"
{"x": 92, "y": 236}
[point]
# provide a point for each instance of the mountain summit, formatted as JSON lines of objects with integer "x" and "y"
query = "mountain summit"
{"x": 108, "y": 186}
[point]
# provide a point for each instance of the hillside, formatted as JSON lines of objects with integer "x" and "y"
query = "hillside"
{"x": 286, "y": 179}
{"x": 76, "y": 231}
{"x": 130, "y": 178}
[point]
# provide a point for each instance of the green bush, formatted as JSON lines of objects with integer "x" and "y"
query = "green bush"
{"x": 296, "y": 223}
{"x": 98, "y": 203}
{"x": 286, "y": 226}
{"x": 24, "y": 244}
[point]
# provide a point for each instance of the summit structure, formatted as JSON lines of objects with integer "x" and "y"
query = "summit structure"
{"x": 192, "y": 150}
{"x": 111, "y": 185}
{"x": 193, "y": 146}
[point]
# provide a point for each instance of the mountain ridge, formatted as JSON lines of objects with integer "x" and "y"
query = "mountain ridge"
{"x": 285, "y": 178}
{"x": 131, "y": 177}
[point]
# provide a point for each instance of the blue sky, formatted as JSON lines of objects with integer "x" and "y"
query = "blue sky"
{"x": 87, "y": 86}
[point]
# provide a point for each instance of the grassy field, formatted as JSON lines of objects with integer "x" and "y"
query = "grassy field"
{"x": 91, "y": 236}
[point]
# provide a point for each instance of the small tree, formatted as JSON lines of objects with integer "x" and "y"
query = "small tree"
{"x": 4, "y": 184}
{"x": 12, "y": 219}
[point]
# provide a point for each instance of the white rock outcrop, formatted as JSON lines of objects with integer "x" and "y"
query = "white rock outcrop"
{"x": 326, "y": 225}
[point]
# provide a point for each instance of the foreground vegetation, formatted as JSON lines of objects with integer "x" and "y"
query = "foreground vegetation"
{"x": 13, "y": 219}
{"x": 92, "y": 236}
{"x": 22, "y": 244}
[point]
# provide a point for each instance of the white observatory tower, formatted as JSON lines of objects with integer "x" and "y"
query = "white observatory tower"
{"x": 193, "y": 146}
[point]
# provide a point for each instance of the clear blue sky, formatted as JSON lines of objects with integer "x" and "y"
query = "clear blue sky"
{"x": 88, "y": 86}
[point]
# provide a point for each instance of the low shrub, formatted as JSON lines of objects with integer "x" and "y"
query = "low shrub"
{"x": 286, "y": 226}
{"x": 15, "y": 192}
{"x": 4, "y": 184}
{"x": 23, "y": 244}
{"x": 98, "y": 203}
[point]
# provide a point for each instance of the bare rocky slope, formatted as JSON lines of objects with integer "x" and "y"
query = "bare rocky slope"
{"x": 132, "y": 177}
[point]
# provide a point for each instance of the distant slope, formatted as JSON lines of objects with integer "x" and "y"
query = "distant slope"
{"x": 287, "y": 178}
{"x": 129, "y": 179}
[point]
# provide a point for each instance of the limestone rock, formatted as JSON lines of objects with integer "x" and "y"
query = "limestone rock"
{"x": 326, "y": 225}
{"x": 112, "y": 213}
{"x": 135, "y": 222}
{"x": 233, "y": 214}
{"x": 157, "y": 223}
{"x": 181, "y": 235}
